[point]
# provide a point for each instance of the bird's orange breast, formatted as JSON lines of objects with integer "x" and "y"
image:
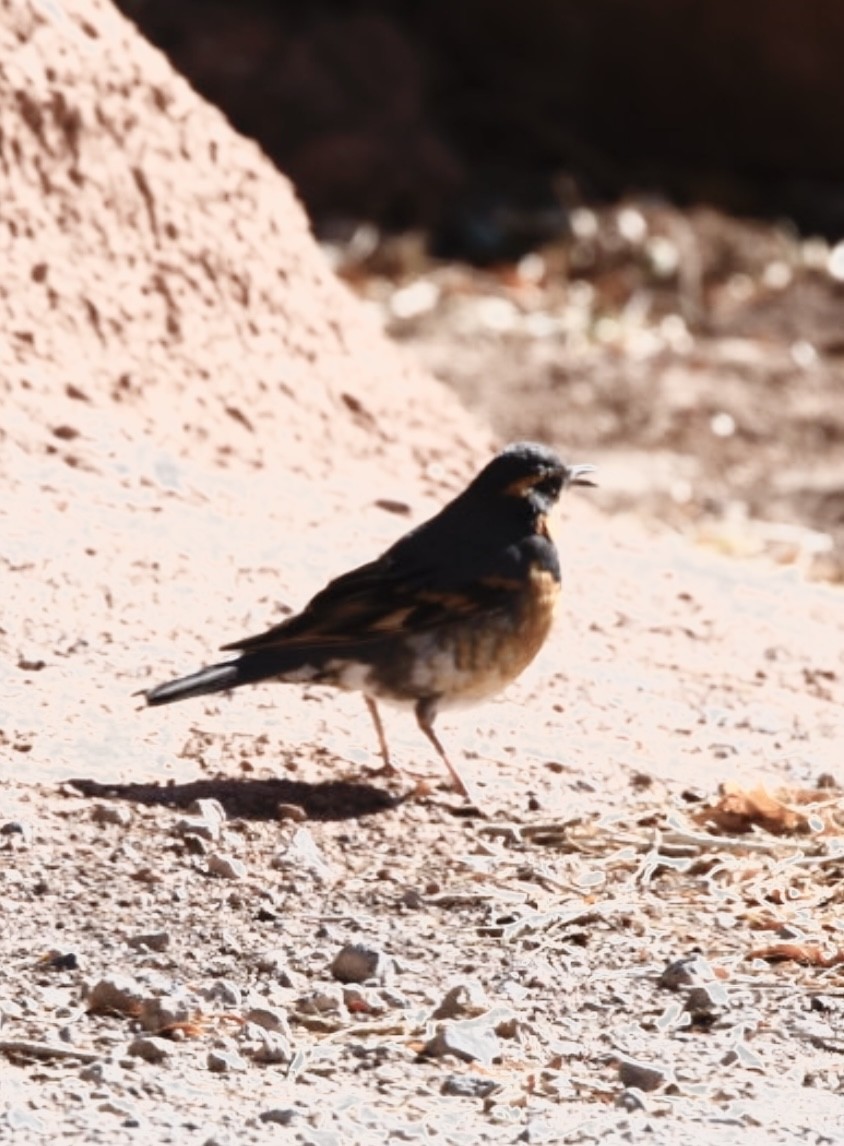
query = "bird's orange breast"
{"x": 479, "y": 656}
{"x": 533, "y": 621}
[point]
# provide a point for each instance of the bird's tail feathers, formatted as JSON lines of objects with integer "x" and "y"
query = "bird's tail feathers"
{"x": 216, "y": 678}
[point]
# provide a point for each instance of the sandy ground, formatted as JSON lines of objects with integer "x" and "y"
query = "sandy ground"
{"x": 177, "y": 885}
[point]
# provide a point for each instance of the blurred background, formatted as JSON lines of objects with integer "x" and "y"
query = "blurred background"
{"x": 615, "y": 224}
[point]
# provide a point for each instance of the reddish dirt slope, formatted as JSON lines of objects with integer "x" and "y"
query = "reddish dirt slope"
{"x": 159, "y": 278}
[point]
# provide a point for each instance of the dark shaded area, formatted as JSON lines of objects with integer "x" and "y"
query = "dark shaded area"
{"x": 460, "y": 118}
{"x": 254, "y": 799}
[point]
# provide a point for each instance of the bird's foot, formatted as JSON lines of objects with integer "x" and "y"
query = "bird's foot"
{"x": 425, "y": 788}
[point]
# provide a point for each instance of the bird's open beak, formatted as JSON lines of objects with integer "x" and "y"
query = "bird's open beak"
{"x": 577, "y": 475}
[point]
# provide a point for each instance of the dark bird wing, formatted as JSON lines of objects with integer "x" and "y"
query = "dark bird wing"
{"x": 347, "y": 620}
{"x": 401, "y": 591}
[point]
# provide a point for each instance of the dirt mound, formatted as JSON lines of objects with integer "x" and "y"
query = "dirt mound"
{"x": 159, "y": 277}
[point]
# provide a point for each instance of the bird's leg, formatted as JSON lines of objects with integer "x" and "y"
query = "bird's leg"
{"x": 388, "y": 766}
{"x": 426, "y": 711}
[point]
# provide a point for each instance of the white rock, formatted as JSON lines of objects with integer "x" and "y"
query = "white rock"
{"x": 226, "y": 866}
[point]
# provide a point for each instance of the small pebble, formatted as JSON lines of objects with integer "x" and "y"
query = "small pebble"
{"x": 121, "y": 1109}
{"x": 467, "y": 1086}
{"x": 357, "y": 963}
{"x": 273, "y": 1048}
{"x": 360, "y": 1001}
{"x": 117, "y": 993}
{"x": 292, "y": 812}
{"x": 117, "y": 814}
{"x": 151, "y": 1049}
{"x": 18, "y": 833}
{"x": 195, "y": 845}
{"x": 689, "y": 971}
{"x": 325, "y": 1002}
{"x": 302, "y": 856}
{"x": 270, "y": 1018}
{"x": 282, "y": 1116}
{"x": 226, "y": 1062}
{"x": 226, "y": 866}
{"x": 18, "y": 1118}
{"x": 473, "y": 1040}
{"x": 62, "y": 961}
{"x": 150, "y": 941}
{"x": 742, "y": 1055}
{"x": 463, "y": 1000}
{"x": 193, "y": 827}
{"x": 223, "y": 991}
{"x": 161, "y": 1012}
{"x": 705, "y": 1003}
{"x": 275, "y": 963}
{"x": 631, "y": 1099}
{"x": 102, "y": 1073}
{"x": 209, "y": 810}
{"x": 640, "y": 1075}
{"x": 392, "y": 998}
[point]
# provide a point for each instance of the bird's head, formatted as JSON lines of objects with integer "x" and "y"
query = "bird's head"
{"x": 532, "y": 475}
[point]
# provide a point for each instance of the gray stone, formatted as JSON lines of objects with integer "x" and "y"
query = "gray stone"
{"x": 323, "y": 1002}
{"x": 151, "y": 1049}
{"x": 223, "y": 991}
{"x": 706, "y": 1002}
{"x": 117, "y": 814}
{"x": 473, "y": 1040}
{"x": 193, "y": 827}
{"x": 150, "y": 941}
{"x": 468, "y": 1086}
{"x": 272, "y": 1048}
{"x": 357, "y": 963}
{"x": 212, "y": 811}
{"x": 102, "y": 1073}
{"x": 690, "y": 971}
{"x": 281, "y": 1116}
{"x": 270, "y": 1018}
{"x": 640, "y": 1075}
{"x": 302, "y": 856}
{"x": 631, "y": 1100}
{"x": 160, "y": 1012}
{"x": 118, "y": 993}
{"x": 226, "y": 1062}
{"x": 462, "y": 1001}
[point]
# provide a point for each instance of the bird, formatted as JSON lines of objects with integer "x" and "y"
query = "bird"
{"x": 449, "y": 615}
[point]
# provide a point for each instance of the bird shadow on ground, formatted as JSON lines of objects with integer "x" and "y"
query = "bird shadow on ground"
{"x": 255, "y": 799}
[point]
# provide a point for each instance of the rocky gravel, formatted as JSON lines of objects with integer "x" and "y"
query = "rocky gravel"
{"x": 605, "y": 976}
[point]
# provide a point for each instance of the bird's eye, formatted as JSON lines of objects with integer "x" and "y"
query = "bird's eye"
{"x": 550, "y": 485}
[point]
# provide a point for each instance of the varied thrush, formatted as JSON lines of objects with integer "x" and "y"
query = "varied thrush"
{"x": 448, "y": 615}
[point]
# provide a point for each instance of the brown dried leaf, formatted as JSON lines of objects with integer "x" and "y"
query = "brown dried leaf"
{"x": 809, "y": 954}
{"x": 787, "y": 812}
